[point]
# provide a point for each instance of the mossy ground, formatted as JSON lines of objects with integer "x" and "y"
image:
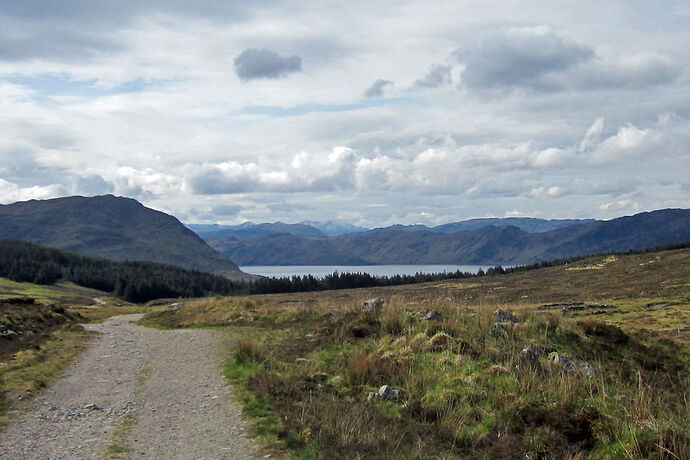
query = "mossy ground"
{"x": 466, "y": 392}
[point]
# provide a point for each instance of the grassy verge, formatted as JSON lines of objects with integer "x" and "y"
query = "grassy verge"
{"x": 28, "y": 371}
{"x": 305, "y": 365}
{"x": 45, "y": 334}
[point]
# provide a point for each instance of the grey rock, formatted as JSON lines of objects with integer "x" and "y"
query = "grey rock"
{"x": 585, "y": 369}
{"x": 500, "y": 330}
{"x": 373, "y": 306}
{"x": 384, "y": 391}
{"x": 528, "y": 357}
{"x": 433, "y": 316}
{"x": 387, "y": 393}
{"x": 573, "y": 366}
{"x": 504, "y": 316}
{"x": 7, "y": 333}
{"x": 320, "y": 377}
{"x": 394, "y": 395}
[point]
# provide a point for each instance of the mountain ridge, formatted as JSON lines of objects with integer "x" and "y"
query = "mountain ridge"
{"x": 487, "y": 245}
{"x": 306, "y": 228}
{"x": 116, "y": 228}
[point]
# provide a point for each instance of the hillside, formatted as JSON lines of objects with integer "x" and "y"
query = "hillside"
{"x": 584, "y": 360}
{"x": 487, "y": 245}
{"x": 116, "y": 228}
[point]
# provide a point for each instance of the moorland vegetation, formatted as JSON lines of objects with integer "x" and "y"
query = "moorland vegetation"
{"x": 309, "y": 365}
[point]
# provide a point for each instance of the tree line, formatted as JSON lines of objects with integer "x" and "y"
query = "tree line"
{"x": 143, "y": 281}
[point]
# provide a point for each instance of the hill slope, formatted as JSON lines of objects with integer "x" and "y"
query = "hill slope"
{"x": 112, "y": 227}
{"x": 489, "y": 245}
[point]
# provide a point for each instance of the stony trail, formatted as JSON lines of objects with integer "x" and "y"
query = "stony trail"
{"x": 135, "y": 393}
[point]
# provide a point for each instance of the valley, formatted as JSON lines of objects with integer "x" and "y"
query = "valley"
{"x": 303, "y": 366}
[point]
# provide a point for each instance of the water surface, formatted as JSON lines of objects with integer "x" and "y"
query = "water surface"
{"x": 320, "y": 271}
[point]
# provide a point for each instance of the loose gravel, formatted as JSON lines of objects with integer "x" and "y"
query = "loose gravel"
{"x": 135, "y": 393}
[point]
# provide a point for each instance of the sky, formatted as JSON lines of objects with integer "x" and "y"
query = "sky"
{"x": 366, "y": 112}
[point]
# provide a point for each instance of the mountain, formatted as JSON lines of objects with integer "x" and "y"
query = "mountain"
{"x": 487, "y": 245}
{"x": 305, "y": 229}
{"x": 334, "y": 227}
{"x": 528, "y": 224}
{"x": 200, "y": 229}
{"x": 254, "y": 230}
{"x": 112, "y": 227}
{"x": 308, "y": 228}
{"x": 402, "y": 228}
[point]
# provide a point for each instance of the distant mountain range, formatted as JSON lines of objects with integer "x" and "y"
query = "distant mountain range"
{"x": 307, "y": 229}
{"x": 114, "y": 228}
{"x": 123, "y": 229}
{"x": 477, "y": 241}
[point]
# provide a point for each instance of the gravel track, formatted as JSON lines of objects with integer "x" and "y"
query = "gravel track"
{"x": 135, "y": 393}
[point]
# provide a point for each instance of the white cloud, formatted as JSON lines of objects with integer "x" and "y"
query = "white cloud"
{"x": 152, "y": 107}
{"x": 12, "y": 192}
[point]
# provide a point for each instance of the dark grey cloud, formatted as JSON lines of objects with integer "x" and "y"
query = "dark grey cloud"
{"x": 256, "y": 63}
{"x": 20, "y": 167}
{"x": 212, "y": 181}
{"x": 439, "y": 75}
{"x": 123, "y": 11}
{"x": 519, "y": 57}
{"x": 636, "y": 72}
{"x": 60, "y": 43}
{"x": 92, "y": 184}
{"x": 71, "y": 30}
{"x": 227, "y": 210}
{"x": 376, "y": 89}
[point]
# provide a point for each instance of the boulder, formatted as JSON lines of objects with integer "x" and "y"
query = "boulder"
{"x": 373, "y": 306}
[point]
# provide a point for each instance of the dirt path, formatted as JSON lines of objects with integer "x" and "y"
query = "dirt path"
{"x": 135, "y": 393}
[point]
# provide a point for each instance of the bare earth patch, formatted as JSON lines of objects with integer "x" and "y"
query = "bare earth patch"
{"x": 135, "y": 393}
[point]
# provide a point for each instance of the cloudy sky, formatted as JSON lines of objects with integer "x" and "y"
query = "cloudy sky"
{"x": 368, "y": 112}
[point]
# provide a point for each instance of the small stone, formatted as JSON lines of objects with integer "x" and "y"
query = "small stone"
{"x": 528, "y": 357}
{"x": 500, "y": 330}
{"x": 585, "y": 369}
{"x": 573, "y": 366}
{"x": 383, "y": 391}
{"x": 319, "y": 377}
{"x": 504, "y": 316}
{"x": 433, "y": 316}
{"x": 394, "y": 395}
